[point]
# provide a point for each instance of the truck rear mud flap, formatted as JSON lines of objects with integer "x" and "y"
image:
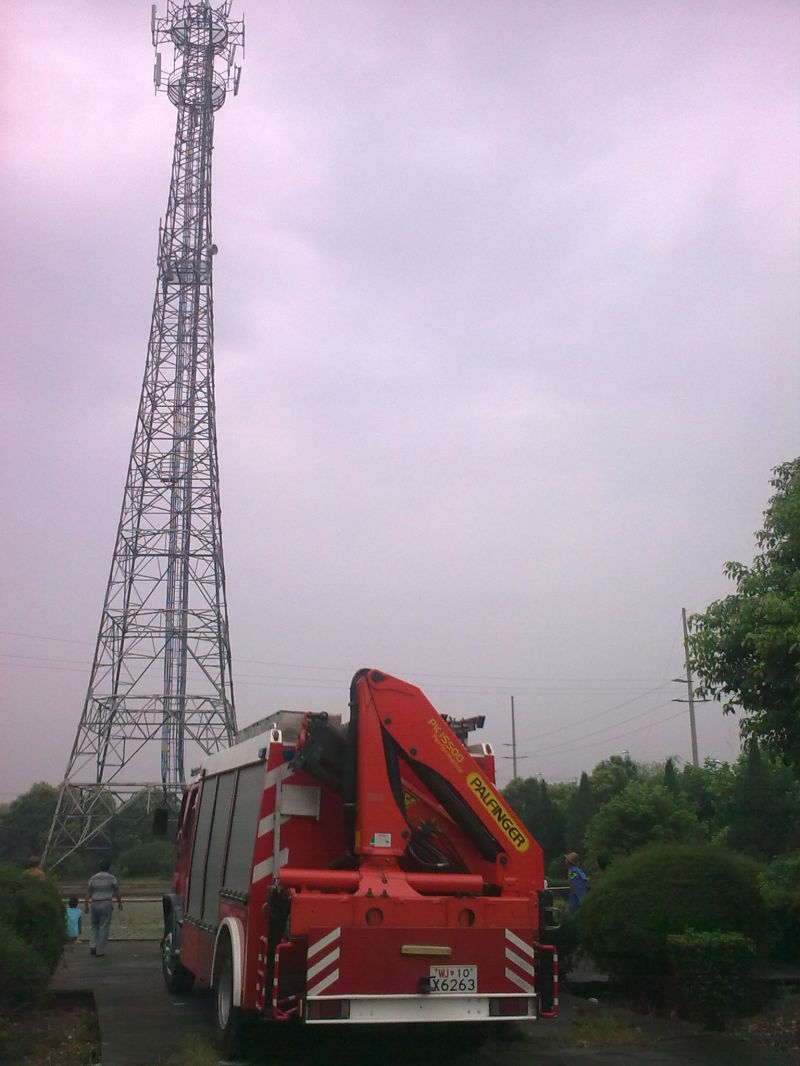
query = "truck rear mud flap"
{"x": 547, "y": 979}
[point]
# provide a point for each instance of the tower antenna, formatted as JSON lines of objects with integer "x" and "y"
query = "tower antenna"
{"x": 161, "y": 674}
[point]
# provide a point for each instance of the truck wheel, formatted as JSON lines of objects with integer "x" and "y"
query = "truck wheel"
{"x": 177, "y": 978}
{"x": 228, "y": 1017}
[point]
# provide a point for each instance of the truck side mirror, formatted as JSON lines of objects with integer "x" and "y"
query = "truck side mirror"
{"x": 160, "y": 821}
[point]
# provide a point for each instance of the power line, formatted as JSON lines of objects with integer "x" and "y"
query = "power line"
{"x": 471, "y": 684}
{"x": 601, "y": 714}
{"x": 37, "y": 659}
{"x": 41, "y": 636}
{"x": 597, "y": 732}
{"x": 589, "y": 684}
{"x": 607, "y": 740}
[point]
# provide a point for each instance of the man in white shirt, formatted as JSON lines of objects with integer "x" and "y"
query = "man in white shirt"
{"x": 100, "y": 894}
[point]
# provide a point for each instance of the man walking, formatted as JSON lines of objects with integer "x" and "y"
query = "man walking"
{"x": 102, "y": 890}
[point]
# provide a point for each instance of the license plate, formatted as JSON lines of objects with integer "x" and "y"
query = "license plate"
{"x": 454, "y": 979}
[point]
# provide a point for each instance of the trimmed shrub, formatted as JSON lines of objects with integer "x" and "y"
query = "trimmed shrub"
{"x": 662, "y": 890}
{"x": 780, "y": 887}
{"x": 32, "y": 935}
{"x": 712, "y": 974}
{"x": 154, "y": 859}
{"x": 23, "y": 976}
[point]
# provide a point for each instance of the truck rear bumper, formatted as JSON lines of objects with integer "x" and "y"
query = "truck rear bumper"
{"x": 361, "y": 1009}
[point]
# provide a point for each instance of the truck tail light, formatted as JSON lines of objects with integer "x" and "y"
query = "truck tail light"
{"x": 509, "y": 1006}
{"x": 327, "y": 1010}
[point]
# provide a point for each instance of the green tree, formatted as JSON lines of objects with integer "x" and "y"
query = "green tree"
{"x": 762, "y": 807}
{"x": 745, "y": 649}
{"x": 25, "y": 823}
{"x": 706, "y": 791}
{"x": 580, "y": 810}
{"x": 671, "y": 777}
{"x": 643, "y": 813}
{"x": 530, "y": 798}
{"x": 553, "y": 841}
{"x": 611, "y": 776}
{"x": 132, "y": 826}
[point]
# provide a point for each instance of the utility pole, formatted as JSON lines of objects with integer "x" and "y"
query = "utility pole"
{"x": 695, "y": 758}
{"x": 513, "y": 739}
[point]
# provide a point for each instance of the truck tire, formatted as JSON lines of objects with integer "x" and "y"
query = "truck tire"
{"x": 228, "y": 1018}
{"x": 177, "y": 978}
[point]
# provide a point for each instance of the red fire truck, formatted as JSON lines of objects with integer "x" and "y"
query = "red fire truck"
{"x": 368, "y": 872}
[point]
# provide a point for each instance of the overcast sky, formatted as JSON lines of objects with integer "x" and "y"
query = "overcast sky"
{"x": 507, "y": 324}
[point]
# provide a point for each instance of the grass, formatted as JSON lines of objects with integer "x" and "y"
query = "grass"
{"x": 138, "y": 920}
{"x": 62, "y": 1031}
{"x": 778, "y": 1026}
{"x": 600, "y": 1028}
{"x": 196, "y": 1051}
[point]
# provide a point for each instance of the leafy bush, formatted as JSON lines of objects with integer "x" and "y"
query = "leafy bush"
{"x": 23, "y": 975}
{"x": 779, "y": 883}
{"x": 661, "y": 890}
{"x": 32, "y": 934}
{"x": 643, "y": 812}
{"x": 154, "y": 859}
{"x": 713, "y": 974}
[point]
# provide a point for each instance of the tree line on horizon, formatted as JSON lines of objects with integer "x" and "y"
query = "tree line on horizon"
{"x": 751, "y": 806}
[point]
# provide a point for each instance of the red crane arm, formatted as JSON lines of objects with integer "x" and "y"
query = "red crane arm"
{"x": 397, "y": 727}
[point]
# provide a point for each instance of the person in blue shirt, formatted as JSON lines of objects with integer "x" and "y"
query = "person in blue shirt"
{"x": 578, "y": 881}
{"x": 73, "y": 920}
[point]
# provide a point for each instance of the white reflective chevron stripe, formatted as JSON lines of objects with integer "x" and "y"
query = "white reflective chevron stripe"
{"x": 265, "y": 868}
{"x": 515, "y": 979}
{"x": 277, "y": 773}
{"x": 323, "y": 984}
{"x": 324, "y": 941}
{"x": 323, "y": 964}
{"x": 521, "y": 963}
{"x": 267, "y": 825}
{"x": 519, "y": 943}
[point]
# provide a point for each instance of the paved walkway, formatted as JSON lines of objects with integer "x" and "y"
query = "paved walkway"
{"x": 142, "y": 1025}
{"x": 140, "y": 1022}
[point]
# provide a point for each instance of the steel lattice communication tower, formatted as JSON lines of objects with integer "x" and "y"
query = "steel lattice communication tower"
{"x": 161, "y": 674}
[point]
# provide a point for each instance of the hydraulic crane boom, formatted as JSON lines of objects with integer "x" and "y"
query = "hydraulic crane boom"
{"x": 414, "y": 795}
